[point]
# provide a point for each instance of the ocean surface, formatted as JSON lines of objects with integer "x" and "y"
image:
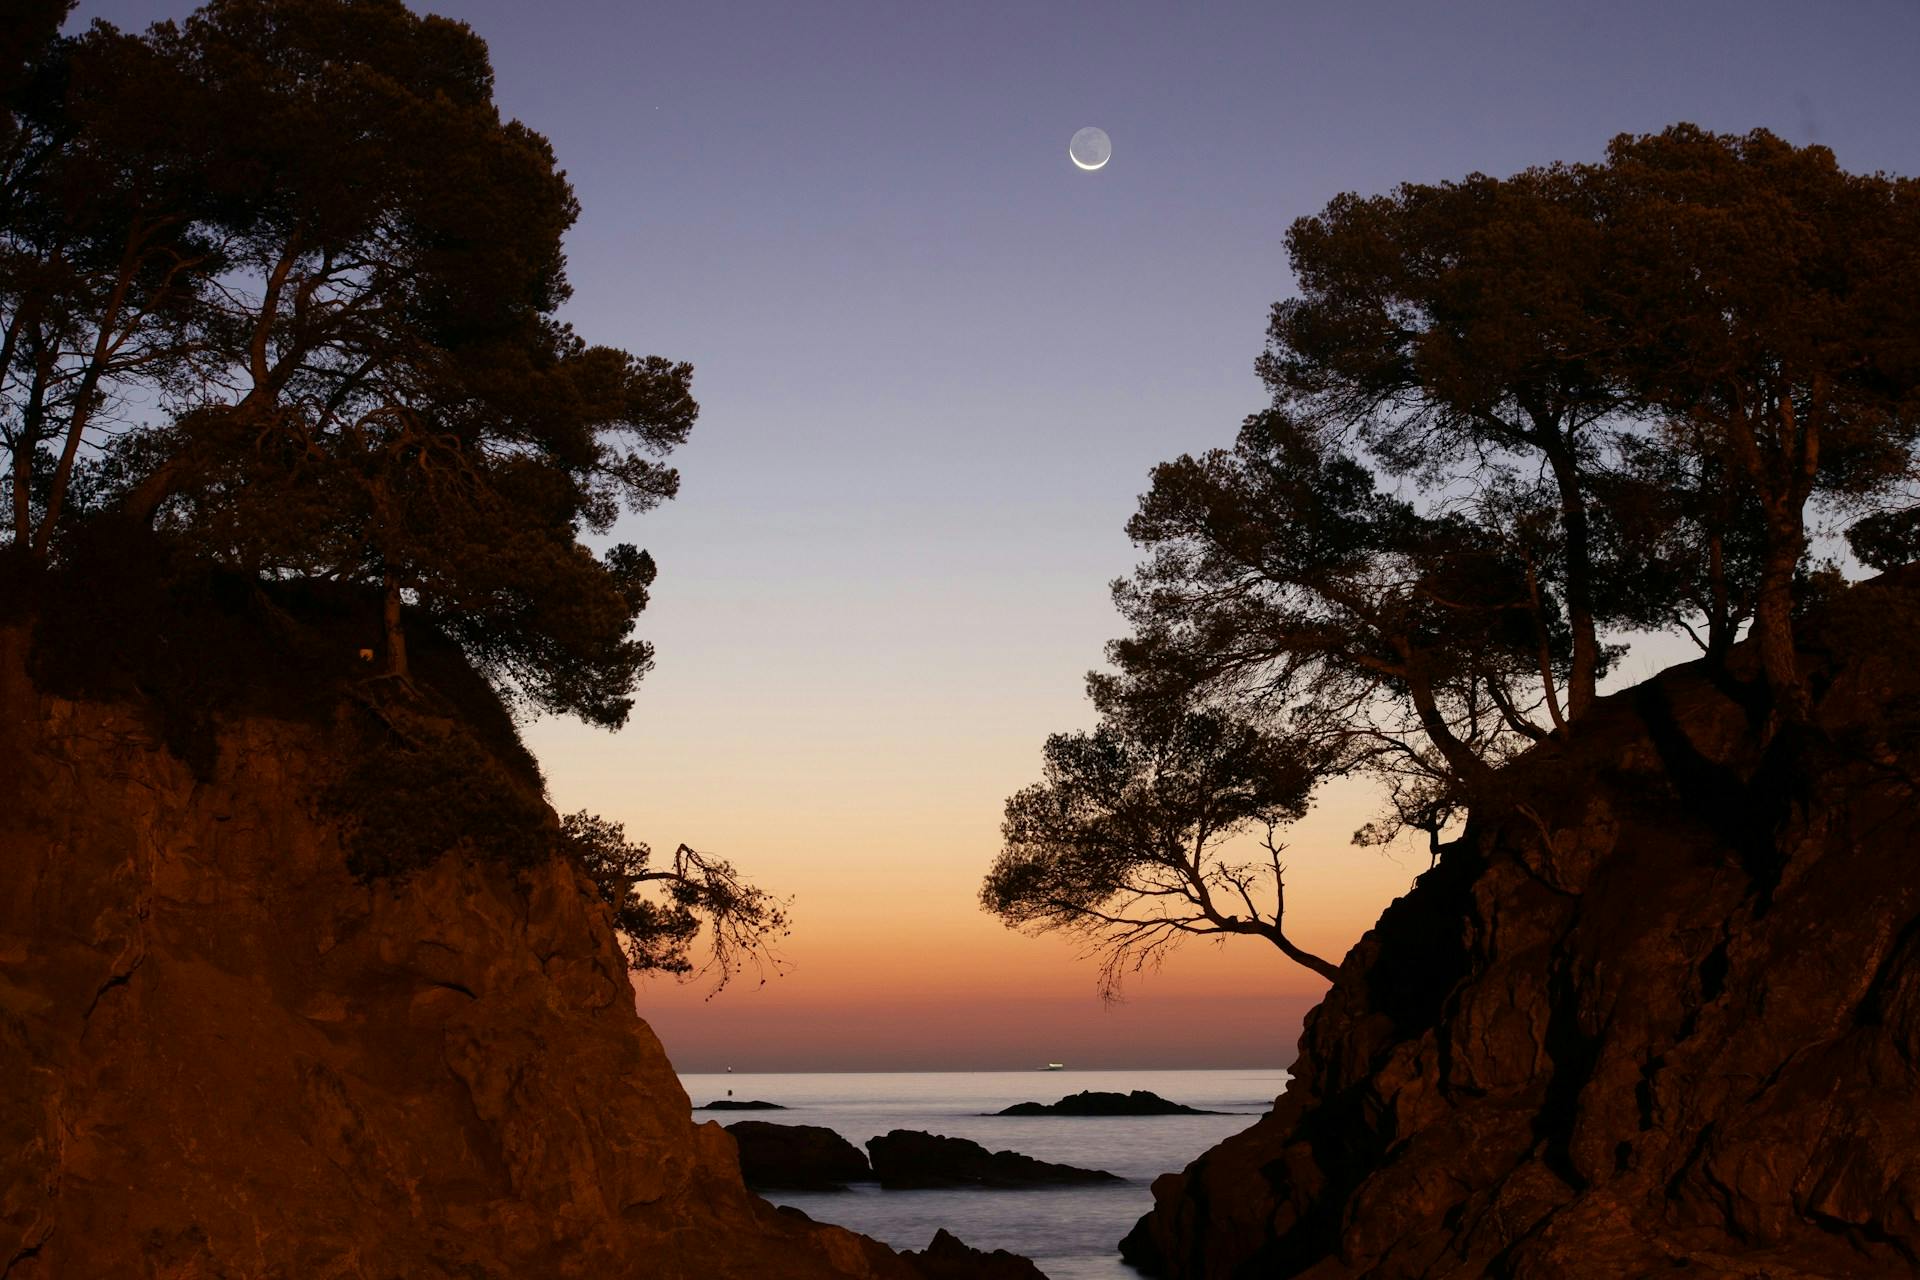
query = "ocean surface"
{"x": 1072, "y": 1233}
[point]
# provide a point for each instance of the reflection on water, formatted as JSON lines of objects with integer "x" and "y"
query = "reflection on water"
{"x": 1073, "y": 1233}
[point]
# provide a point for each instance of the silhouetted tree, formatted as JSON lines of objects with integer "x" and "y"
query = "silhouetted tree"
{"x": 1769, "y": 315}
{"x": 660, "y": 911}
{"x": 1452, "y": 331}
{"x": 304, "y": 227}
{"x": 1724, "y": 312}
{"x": 278, "y": 296}
{"x": 1125, "y": 843}
{"x": 1610, "y": 393}
{"x": 105, "y": 260}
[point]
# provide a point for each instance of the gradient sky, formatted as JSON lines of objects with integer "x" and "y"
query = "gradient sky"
{"x": 936, "y": 361}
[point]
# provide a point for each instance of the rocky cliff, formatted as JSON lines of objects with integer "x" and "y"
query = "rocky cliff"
{"x": 1660, "y": 1015}
{"x": 223, "y": 1055}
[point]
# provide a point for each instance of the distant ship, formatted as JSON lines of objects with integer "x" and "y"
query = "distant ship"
{"x": 1053, "y": 1066}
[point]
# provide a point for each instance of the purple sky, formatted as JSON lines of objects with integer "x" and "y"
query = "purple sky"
{"x": 936, "y": 361}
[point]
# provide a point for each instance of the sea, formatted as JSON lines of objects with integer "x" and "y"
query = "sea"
{"x": 1071, "y": 1233}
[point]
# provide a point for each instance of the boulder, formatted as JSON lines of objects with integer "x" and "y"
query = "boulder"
{"x": 797, "y": 1157}
{"x": 947, "y": 1258}
{"x": 909, "y": 1159}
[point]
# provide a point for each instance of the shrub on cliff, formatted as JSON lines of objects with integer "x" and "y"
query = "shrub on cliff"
{"x": 408, "y": 803}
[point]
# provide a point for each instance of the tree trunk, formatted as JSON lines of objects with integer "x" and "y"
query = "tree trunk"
{"x": 396, "y": 635}
{"x": 1584, "y": 676}
{"x": 1784, "y": 489}
{"x": 1719, "y": 615}
{"x": 63, "y": 469}
{"x": 1773, "y": 620}
{"x": 1546, "y": 652}
{"x": 1474, "y": 774}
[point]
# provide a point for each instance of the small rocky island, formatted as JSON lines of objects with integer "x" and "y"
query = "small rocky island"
{"x": 797, "y": 1157}
{"x": 728, "y": 1104}
{"x": 907, "y": 1159}
{"x": 806, "y": 1157}
{"x": 1091, "y": 1103}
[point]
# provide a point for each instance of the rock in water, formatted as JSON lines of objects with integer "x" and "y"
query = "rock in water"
{"x": 799, "y": 1157}
{"x": 907, "y": 1159}
{"x": 947, "y": 1258}
{"x": 1661, "y": 1015}
{"x": 728, "y": 1104}
{"x": 1090, "y": 1103}
{"x": 220, "y": 1054}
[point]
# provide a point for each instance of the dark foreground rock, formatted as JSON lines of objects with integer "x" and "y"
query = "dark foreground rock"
{"x": 1662, "y": 1016}
{"x": 949, "y": 1259}
{"x": 907, "y": 1159}
{"x": 797, "y": 1157}
{"x": 728, "y": 1104}
{"x": 1091, "y": 1103}
{"x": 222, "y": 1054}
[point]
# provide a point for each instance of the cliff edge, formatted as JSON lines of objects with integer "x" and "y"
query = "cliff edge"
{"x": 221, "y": 1054}
{"x": 1661, "y": 1016}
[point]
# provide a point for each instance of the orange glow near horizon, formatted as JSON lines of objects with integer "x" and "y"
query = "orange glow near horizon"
{"x": 891, "y": 963}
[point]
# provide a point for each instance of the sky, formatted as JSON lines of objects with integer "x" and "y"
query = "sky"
{"x": 935, "y": 363}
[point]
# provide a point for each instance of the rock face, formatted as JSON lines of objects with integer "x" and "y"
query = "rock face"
{"x": 797, "y": 1157}
{"x": 1091, "y": 1103}
{"x": 947, "y": 1258}
{"x": 220, "y": 1055}
{"x": 907, "y": 1159}
{"x": 1661, "y": 1016}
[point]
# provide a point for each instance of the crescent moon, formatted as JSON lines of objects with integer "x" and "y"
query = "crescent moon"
{"x": 1092, "y": 144}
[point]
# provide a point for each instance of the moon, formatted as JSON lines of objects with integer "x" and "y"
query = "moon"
{"x": 1091, "y": 148}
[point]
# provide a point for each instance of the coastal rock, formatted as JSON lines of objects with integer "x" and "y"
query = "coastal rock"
{"x": 1661, "y": 1015}
{"x": 222, "y": 1055}
{"x": 797, "y": 1157}
{"x": 728, "y": 1104}
{"x": 1091, "y": 1103}
{"x": 947, "y": 1258}
{"x": 907, "y": 1159}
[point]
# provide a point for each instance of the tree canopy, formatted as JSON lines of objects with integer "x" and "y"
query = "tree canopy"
{"x": 1512, "y": 420}
{"x": 302, "y": 230}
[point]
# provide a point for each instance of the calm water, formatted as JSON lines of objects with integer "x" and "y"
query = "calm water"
{"x": 1073, "y": 1233}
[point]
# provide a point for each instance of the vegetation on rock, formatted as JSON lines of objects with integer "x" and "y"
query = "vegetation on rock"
{"x": 278, "y": 324}
{"x": 1660, "y": 1014}
{"x": 1513, "y": 420}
